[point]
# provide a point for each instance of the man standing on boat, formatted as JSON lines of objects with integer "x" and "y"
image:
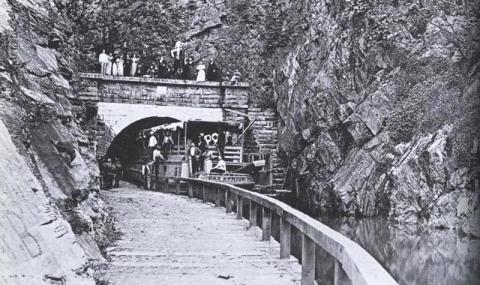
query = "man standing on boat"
{"x": 194, "y": 154}
{"x": 152, "y": 142}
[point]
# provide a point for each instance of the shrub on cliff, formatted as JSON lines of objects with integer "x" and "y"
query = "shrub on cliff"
{"x": 146, "y": 27}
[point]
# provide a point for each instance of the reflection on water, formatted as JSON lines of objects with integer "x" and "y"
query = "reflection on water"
{"x": 415, "y": 255}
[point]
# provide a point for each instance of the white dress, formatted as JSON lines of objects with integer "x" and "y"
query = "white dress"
{"x": 134, "y": 65}
{"x": 207, "y": 163}
{"x": 109, "y": 66}
{"x": 115, "y": 68}
{"x": 201, "y": 72}
{"x": 120, "y": 66}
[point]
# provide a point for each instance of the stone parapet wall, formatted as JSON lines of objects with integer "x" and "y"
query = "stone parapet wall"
{"x": 165, "y": 92}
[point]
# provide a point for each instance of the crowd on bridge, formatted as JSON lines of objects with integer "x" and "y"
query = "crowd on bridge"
{"x": 177, "y": 66}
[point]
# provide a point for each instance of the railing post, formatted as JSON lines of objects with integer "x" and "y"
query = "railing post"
{"x": 177, "y": 186}
{"x": 204, "y": 194}
{"x": 154, "y": 184}
{"x": 165, "y": 189}
{"x": 285, "y": 238}
{"x": 266, "y": 224}
{"x": 190, "y": 190}
{"x": 253, "y": 214}
{"x": 228, "y": 205}
{"x": 146, "y": 182}
{"x": 339, "y": 275}
{"x": 239, "y": 207}
{"x": 217, "y": 197}
{"x": 308, "y": 261}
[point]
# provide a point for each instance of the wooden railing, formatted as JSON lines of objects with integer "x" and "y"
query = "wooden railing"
{"x": 353, "y": 265}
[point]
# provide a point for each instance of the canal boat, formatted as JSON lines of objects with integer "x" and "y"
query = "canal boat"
{"x": 223, "y": 139}
{"x": 242, "y": 177}
{"x": 241, "y": 180}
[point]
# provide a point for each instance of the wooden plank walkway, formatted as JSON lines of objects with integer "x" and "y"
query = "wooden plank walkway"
{"x": 170, "y": 239}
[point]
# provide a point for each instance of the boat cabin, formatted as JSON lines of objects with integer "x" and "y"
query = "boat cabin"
{"x": 175, "y": 141}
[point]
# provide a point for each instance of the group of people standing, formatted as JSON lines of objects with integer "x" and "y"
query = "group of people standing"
{"x": 158, "y": 146}
{"x": 201, "y": 158}
{"x": 178, "y": 67}
{"x": 118, "y": 65}
{"x": 162, "y": 141}
{"x": 111, "y": 172}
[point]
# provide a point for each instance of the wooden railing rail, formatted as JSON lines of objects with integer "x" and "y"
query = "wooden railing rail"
{"x": 353, "y": 265}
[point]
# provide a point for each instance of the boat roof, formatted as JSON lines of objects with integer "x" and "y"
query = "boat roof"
{"x": 227, "y": 126}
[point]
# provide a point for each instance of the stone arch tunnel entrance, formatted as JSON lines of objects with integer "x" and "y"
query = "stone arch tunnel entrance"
{"x": 125, "y": 144}
{"x": 127, "y": 105}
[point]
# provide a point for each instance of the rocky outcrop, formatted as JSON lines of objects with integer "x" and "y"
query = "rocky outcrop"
{"x": 52, "y": 220}
{"x": 38, "y": 244}
{"x": 396, "y": 123}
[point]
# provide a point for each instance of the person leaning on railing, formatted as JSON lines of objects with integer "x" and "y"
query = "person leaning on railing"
{"x": 146, "y": 172}
{"x": 157, "y": 158}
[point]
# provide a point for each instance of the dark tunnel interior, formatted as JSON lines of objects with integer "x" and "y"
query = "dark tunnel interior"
{"x": 125, "y": 144}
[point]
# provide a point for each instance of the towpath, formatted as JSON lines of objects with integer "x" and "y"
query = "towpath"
{"x": 168, "y": 239}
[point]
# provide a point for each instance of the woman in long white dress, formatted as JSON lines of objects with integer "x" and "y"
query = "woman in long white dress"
{"x": 120, "y": 66}
{"x": 207, "y": 162}
{"x": 133, "y": 70}
{"x": 115, "y": 66}
{"x": 201, "y": 72}
{"x": 109, "y": 64}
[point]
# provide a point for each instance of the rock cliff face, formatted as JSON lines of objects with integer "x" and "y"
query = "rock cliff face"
{"x": 52, "y": 221}
{"x": 383, "y": 99}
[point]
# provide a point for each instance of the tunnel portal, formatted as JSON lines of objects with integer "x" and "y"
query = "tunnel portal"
{"x": 125, "y": 144}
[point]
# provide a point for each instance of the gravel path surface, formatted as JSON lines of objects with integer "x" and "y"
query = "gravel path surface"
{"x": 168, "y": 239}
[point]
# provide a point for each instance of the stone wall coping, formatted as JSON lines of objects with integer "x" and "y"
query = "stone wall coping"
{"x": 162, "y": 81}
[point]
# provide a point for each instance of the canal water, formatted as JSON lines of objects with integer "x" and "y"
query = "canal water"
{"x": 412, "y": 254}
